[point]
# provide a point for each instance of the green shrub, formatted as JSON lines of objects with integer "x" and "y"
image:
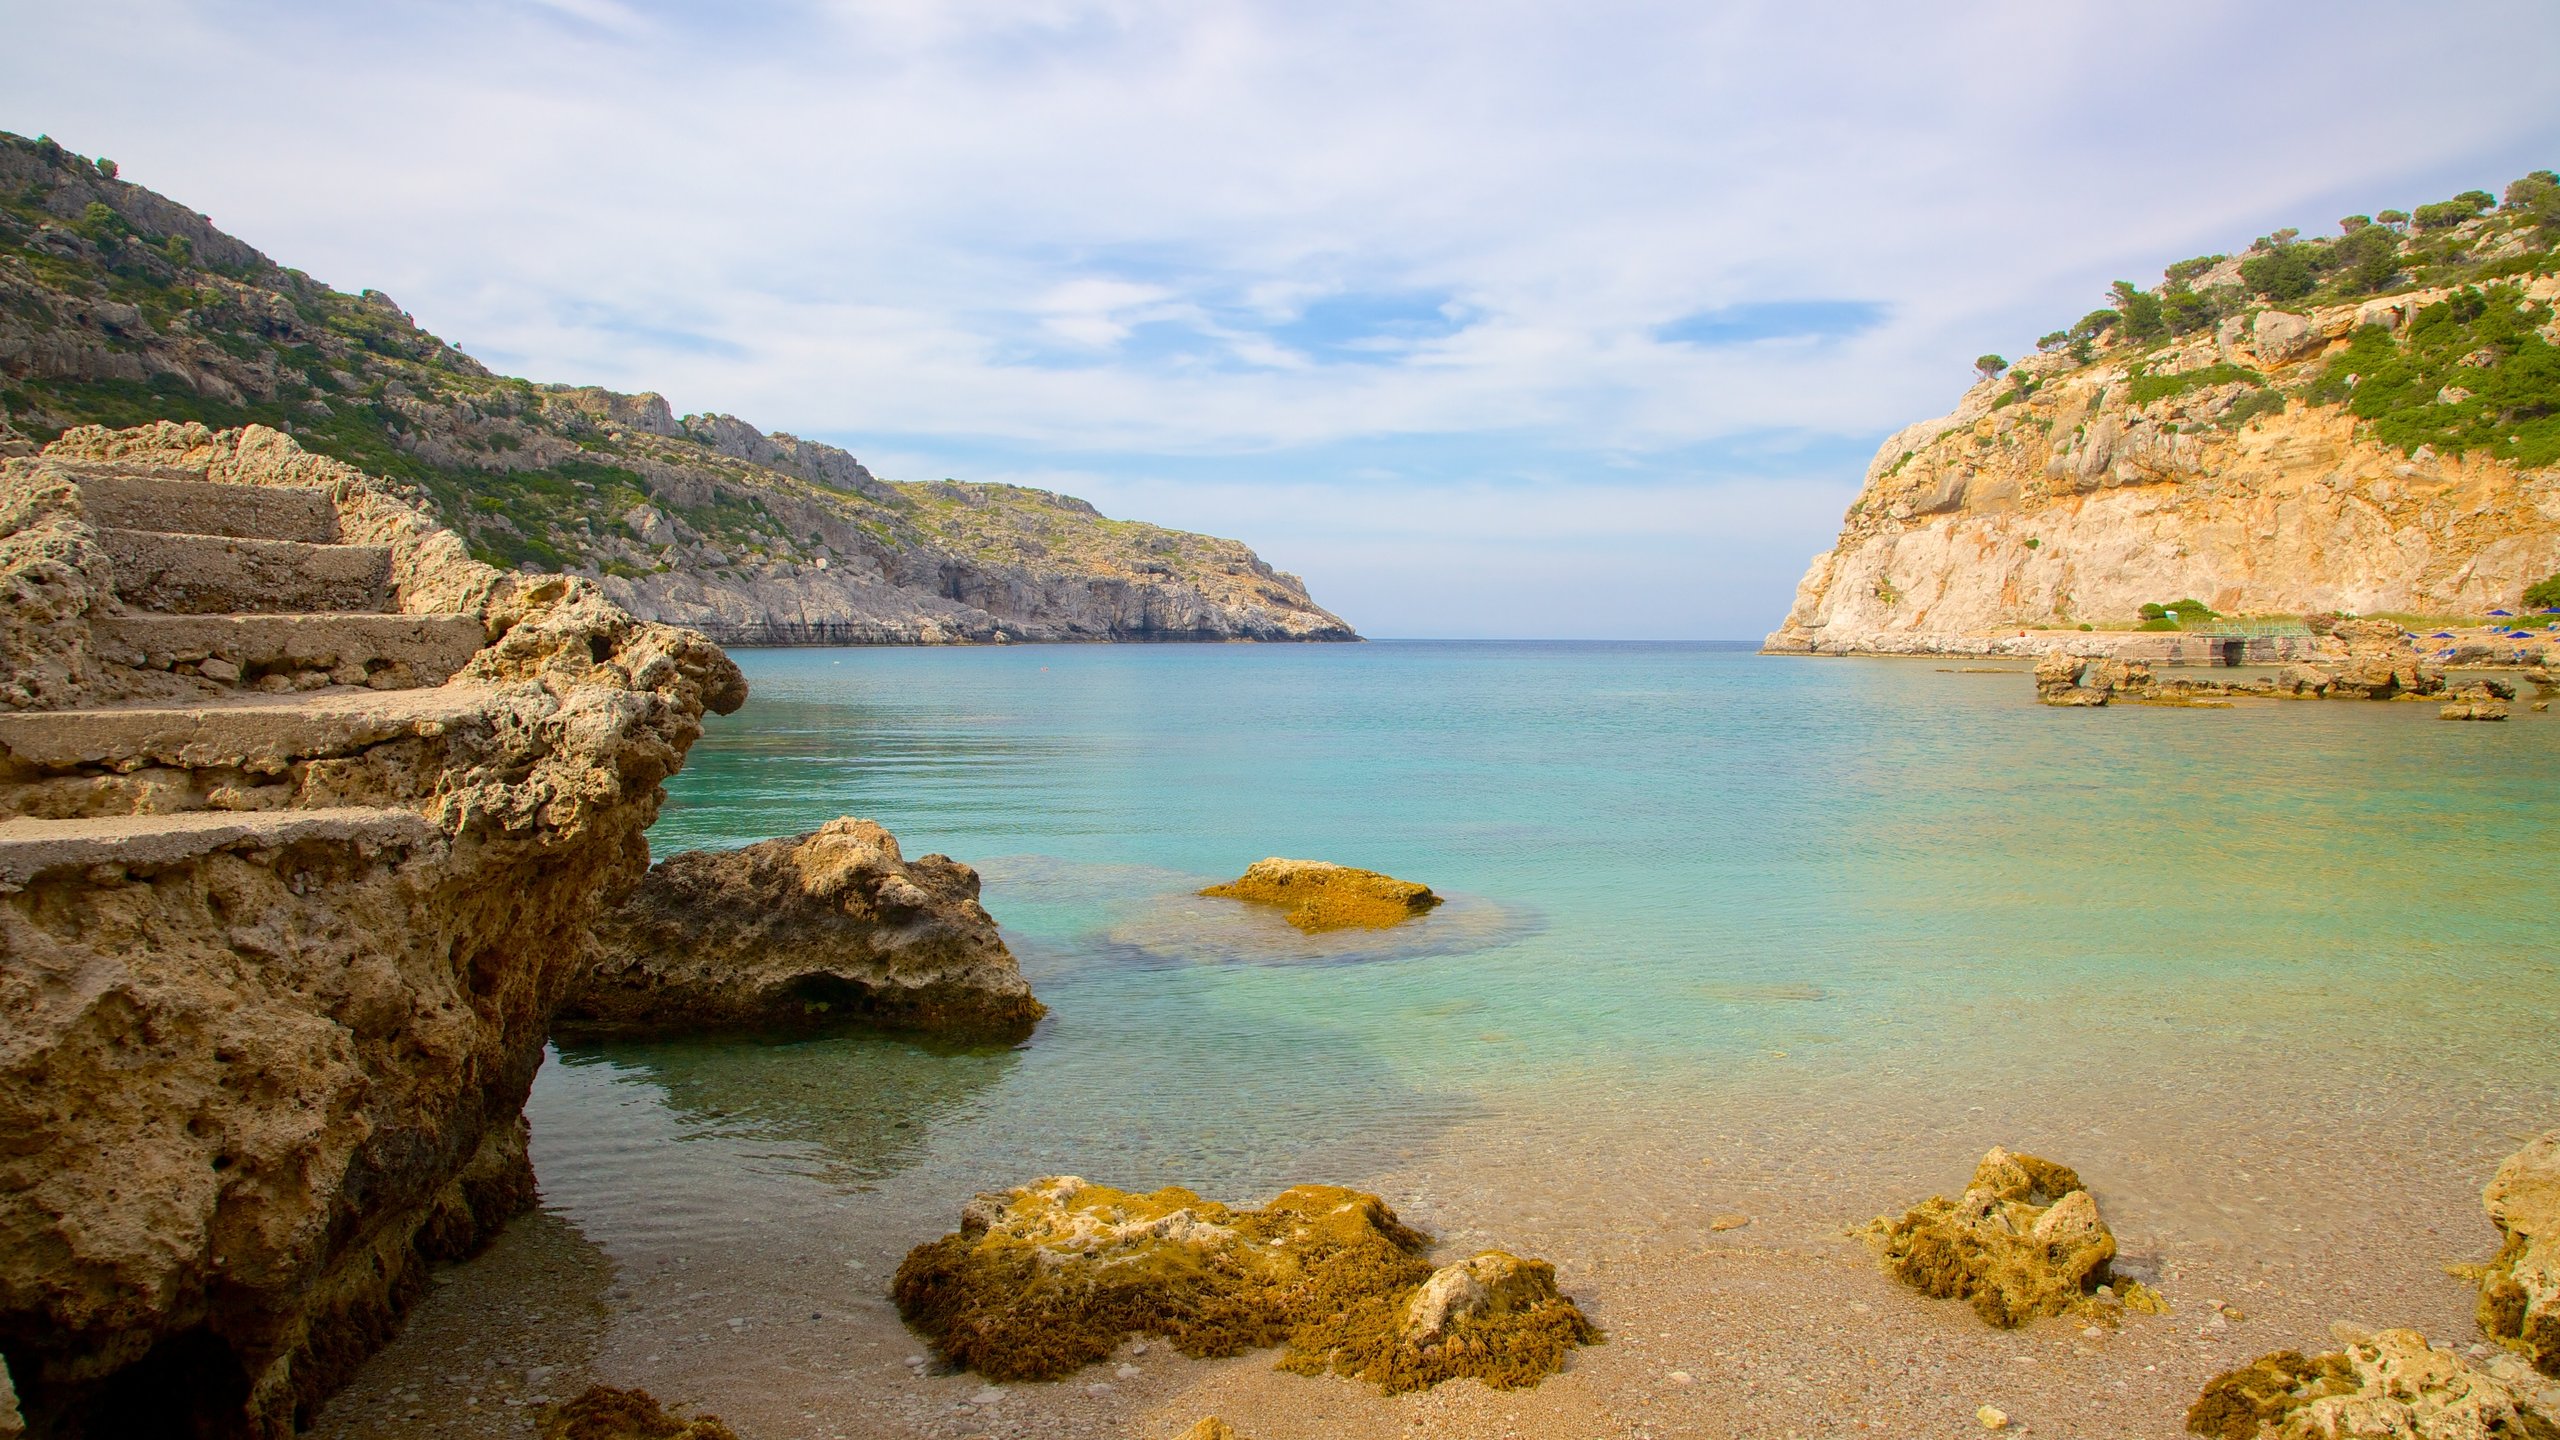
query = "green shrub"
{"x": 2543, "y": 594}
{"x": 2146, "y": 387}
{"x": 2154, "y": 611}
{"x": 2391, "y": 217}
{"x": 2285, "y": 272}
{"x": 2186, "y": 270}
{"x": 2138, "y": 312}
{"x": 2190, "y": 609}
{"x": 2085, "y": 625}
{"x": 2054, "y": 340}
{"x": 2161, "y": 623}
{"x": 2445, "y": 214}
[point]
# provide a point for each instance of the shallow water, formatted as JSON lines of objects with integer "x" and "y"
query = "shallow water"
{"x": 1794, "y": 937}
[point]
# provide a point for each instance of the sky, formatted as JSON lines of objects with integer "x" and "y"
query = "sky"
{"x": 1488, "y": 318}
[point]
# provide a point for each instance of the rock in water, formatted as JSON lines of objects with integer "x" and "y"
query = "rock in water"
{"x": 2390, "y": 1386}
{"x": 2024, "y": 1240}
{"x": 2520, "y": 1291}
{"x": 1319, "y": 895}
{"x": 1042, "y": 1280}
{"x": 604, "y": 1413}
{"x": 833, "y": 927}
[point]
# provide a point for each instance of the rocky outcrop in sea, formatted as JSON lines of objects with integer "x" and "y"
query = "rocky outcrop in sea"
{"x": 827, "y": 929}
{"x": 304, "y": 815}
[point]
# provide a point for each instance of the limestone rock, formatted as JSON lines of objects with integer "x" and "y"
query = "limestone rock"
{"x": 2025, "y": 1239}
{"x": 1319, "y": 895}
{"x": 2473, "y": 710}
{"x": 1042, "y": 1280}
{"x": 279, "y": 970}
{"x": 604, "y": 1413}
{"x": 1998, "y": 530}
{"x": 827, "y": 928}
{"x": 1210, "y": 1427}
{"x": 2520, "y": 1291}
{"x": 2388, "y": 1386}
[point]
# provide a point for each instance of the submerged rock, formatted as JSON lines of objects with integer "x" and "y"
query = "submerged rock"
{"x": 1319, "y": 895}
{"x": 2024, "y": 1240}
{"x": 2390, "y": 1386}
{"x": 1044, "y": 1279}
{"x": 833, "y": 927}
{"x": 604, "y": 1413}
{"x": 2520, "y": 1289}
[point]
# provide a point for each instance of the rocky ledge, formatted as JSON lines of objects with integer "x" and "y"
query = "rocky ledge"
{"x": 2367, "y": 660}
{"x": 304, "y": 815}
{"x": 1318, "y": 895}
{"x": 831, "y": 928}
{"x": 1045, "y": 1279}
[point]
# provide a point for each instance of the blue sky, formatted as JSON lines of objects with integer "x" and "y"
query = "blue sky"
{"x": 1488, "y": 318}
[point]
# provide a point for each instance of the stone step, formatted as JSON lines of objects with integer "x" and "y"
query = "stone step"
{"x": 259, "y": 734}
{"x": 33, "y": 848}
{"x": 386, "y": 650}
{"x": 216, "y": 574}
{"x": 202, "y": 507}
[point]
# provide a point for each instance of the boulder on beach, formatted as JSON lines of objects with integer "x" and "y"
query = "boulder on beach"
{"x": 1042, "y": 1280}
{"x": 830, "y": 928}
{"x": 2387, "y": 1386}
{"x": 604, "y": 1413}
{"x": 2025, "y": 1239}
{"x": 2520, "y": 1288}
{"x": 1320, "y": 896}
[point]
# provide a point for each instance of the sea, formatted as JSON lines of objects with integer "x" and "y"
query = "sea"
{"x": 1786, "y": 937}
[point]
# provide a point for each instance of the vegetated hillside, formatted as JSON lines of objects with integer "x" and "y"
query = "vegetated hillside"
{"x": 2364, "y": 422}
{"x": 118, "y": 306}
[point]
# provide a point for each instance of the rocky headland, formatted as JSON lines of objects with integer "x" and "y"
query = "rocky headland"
{"x": 118, "y": 306}
{"x": 304, "y": 814}
{"x": 2360, "y": 424}
{"x": 815, "y": 931}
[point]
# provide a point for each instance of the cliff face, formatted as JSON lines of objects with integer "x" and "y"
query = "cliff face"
{"x": 118, "y": 307}
{"x": 2389, "y": 453}
{"x": 304, "y": 816}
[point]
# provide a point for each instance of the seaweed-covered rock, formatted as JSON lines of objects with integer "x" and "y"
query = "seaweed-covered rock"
{"x": 832, "y": 927}
{"x": 604, "y": 1413}
{"x": 1319, "y": 895}
{"x": 2389, "y": 1386}
{"x": 2520, "y": 1290}
{"x": 1047, "y": 1278}
{"x": 2025, "y": 1239}
{"x": 1496, "y": 1317}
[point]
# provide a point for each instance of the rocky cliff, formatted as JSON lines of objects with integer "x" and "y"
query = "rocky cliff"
{"x": 119, "y": 307}
{"x": 2361, "y": 425}
{"x": 304, "y": 815}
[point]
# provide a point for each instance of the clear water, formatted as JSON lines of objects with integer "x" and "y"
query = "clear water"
{"x": 1786, "y": 901}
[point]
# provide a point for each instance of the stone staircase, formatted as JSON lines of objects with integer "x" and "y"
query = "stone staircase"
{"x": 270, "y": 658}
{"x": 304, "y": 818}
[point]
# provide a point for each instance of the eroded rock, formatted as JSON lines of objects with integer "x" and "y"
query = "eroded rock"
{"x": 2388, "y": 1386}
{"x": 833, "y": 927}
{"x": 1319, "y": 895}
{"x": 605, "y": 1413}
{"x": 2025, "y": 1239}
{"x": 1042, "y": 1280}
{"x": 2520, "y": 1290}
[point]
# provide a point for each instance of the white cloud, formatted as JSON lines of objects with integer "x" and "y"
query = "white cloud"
{"x": 1081, "y": 229}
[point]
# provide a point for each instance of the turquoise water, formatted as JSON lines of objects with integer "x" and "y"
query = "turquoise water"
{"x": 1830, "y": 902}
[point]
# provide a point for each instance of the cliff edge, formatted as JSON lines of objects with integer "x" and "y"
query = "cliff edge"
{"x": 2364, "y": 424}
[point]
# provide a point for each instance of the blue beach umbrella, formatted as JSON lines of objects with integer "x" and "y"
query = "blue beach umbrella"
{"x": 2502, "y": 612}
{"x": 2441, "y": 635}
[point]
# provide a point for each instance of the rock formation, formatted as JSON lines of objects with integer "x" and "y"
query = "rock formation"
{"x": 303, "y": 817}
{"x": 1318, "y": 895}
{"x": 2024, "y": 1240}
{"x": 109, "y": 292}
{"x": 2243, "y": 464}
{"x": 2520, "y": 1290}
{"x": 1045, "y": 1279}
{"x": 2387, "y": 1386}
{"x": 823, "y": 929}
{"x": 604, "y": 1413}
